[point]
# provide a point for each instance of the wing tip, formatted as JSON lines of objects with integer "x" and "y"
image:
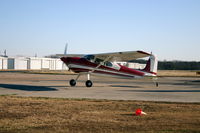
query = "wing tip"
{"x": 142, "y": 52}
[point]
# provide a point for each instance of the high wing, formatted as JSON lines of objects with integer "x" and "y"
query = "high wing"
{"x": 122, "y": 56}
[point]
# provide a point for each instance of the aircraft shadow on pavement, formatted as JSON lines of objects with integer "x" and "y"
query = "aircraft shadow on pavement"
{"x": 27, "y": 87}
{"x": 161, "y": 90}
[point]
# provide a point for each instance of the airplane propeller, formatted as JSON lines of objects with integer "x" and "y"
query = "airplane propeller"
{"x": 66, "y": 47}
{"x": 65, "y": 54}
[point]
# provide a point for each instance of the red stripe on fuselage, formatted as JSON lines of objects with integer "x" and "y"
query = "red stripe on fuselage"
{"x": 78, "y": 70}
{"x": 127, "y": 70}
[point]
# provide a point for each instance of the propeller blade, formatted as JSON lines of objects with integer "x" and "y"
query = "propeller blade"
{"x": 66, "y": 47}
{"x": 65, "y": 54}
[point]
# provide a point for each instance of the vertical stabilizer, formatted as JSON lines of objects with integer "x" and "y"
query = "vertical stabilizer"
{"x": 152, "y": 65}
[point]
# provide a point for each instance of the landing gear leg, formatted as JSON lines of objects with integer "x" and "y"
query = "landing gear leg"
{"x": 88, "y": 83}
{"x": 155, "y": 81}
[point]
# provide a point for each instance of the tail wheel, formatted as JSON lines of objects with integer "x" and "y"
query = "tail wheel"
{"x": 88, "y": 83}
{"x": 72, "y": 82}
{"x": 156, "y": 84}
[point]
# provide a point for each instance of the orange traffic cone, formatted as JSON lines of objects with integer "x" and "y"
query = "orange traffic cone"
{"x": 140, "y": 112}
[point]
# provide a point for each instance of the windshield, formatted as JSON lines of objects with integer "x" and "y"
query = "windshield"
{"x": 89, "y": 57}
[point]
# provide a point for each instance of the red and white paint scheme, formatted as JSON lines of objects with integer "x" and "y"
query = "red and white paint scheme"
{"x": 104, "y": 64}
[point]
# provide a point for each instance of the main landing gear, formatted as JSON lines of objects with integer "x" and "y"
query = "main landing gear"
{"x": 88, "y": 83}
{"x": 72, "y": 82}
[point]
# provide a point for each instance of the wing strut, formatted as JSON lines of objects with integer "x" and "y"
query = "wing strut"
{"x": 101, "y": 63}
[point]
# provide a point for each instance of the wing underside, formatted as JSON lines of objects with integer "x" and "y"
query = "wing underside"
{"x": 122, "y": 56}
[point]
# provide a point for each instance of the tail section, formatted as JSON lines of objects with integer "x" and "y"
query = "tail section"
{"x": 151, "y": 66}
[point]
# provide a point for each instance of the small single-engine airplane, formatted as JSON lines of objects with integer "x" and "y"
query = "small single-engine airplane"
{"x": 105, "y": 64}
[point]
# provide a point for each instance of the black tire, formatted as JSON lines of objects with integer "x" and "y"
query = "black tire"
{"x": 72, "y": 82}
{"x": 156, "y": 84}
{"x": 88, "y": 83}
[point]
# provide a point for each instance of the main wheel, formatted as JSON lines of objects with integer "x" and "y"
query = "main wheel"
{"x": 72, "y": 82}
{"x": 88, "y": 83}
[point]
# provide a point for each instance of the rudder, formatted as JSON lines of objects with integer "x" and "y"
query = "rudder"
{"x": 152, "y": 65}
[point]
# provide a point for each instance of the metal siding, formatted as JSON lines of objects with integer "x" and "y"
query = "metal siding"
{"x": 136, "y": 65}
{"x": 35, "y": 63}
{"x": 32, "y": 63}
{"x": 45, "y": 63}
{"x": 59, "y": 64}
{"x": 20, "y": 63}
{"x": 11, "y": 63}
{"x": 51, "y": 65}
{"x": 5, "y": 63}
{"x": 1, "y": 63}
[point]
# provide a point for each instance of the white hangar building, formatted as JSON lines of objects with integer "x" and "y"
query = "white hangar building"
{"x": 35, "y": 63}
{"x": 31, "y": 63}
{"x": 17, "y": 63}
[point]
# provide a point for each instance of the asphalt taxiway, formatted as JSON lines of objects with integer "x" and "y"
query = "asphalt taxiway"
{"x": 170, "y": 89}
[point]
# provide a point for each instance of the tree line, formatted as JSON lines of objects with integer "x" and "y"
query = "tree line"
{"x": 178, "y": 65}
{"x": 175, "y": 65}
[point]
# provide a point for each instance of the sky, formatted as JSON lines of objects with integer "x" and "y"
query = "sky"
{"x": 168, "y": 28}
